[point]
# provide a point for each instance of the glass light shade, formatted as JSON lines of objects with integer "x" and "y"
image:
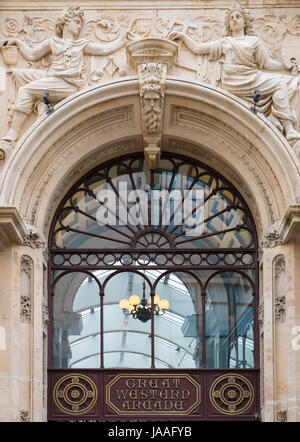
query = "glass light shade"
{"x": 156, "y": 300}
{"x": 124, "y": 304}
{"x": 134, "y": 300}
{"x": 164, "y": 304}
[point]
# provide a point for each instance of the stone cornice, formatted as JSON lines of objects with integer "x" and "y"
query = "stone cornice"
{"x": 146, "y": 4}
{"x": 289, "y": 229}
{"x": 12, "y": 228}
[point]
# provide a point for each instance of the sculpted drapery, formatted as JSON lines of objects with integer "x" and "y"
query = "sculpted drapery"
{"x": 64, "y": 76}
{"x": 242, "y": 59}
{"x": 244, "y": 67}
{"x": 62, "y": 79}
{"x": 241, "y": 75}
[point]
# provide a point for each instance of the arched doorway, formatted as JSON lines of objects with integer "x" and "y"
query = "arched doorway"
{"x": 183, "y": 233}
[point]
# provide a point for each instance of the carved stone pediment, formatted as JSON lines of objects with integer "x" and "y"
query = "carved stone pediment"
{"x": 152, "y": 58}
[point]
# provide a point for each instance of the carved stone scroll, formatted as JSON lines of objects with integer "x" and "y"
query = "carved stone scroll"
{"x": 152, "y": 58}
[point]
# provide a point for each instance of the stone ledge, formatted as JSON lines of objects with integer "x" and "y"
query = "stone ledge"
{"x": 12, "y": 228}
{"x": 146, "y": 4}
{"x": 290, "y": 226}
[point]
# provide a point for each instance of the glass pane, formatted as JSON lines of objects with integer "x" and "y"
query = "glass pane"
{"x": 76, "y": 315}
{"x": 229, "y": 322}
{"x": 192, "y": 207}
{"x": 178, "y": 329}
{"x": 127, "y": 341}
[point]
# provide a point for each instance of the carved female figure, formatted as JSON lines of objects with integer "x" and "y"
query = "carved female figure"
{"x": 244, "y": 59}
{"x": 64, "y": 75}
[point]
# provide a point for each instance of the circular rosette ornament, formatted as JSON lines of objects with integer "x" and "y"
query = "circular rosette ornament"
{"x": 231, "y": 394}
{"x": 75, "y": 394}
{"x": 11, "y": 28}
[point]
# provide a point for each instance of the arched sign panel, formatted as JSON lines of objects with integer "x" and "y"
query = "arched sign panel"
{"x": 153, "y": 296}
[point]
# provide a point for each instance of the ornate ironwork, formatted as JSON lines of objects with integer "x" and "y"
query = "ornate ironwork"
{"x": 225, "y": 211}
{"x": 227, "y": 245}
{"x": 231, "y": 394}
{"x": 75, "y": 394}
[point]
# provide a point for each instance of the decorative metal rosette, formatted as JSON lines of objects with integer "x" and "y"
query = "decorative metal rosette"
{"x": 75, "y": 394}
{"x": 231, "y": 394}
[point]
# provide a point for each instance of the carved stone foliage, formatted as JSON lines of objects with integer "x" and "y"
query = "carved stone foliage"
{"x": 25, "y": 416}
{"x": 282, "y": 416}
{"x": 45, "y": 315}
{"x": 25, "y": 311}
{"x": 273, "y": 239}
{"x": 26, "y": 289}
{"x": 271, "y": 28}
{"x": 103, "y": 28}
{"x": 33, "y": 29}
{"x": 261, "y": 318}
{"x": 279, "y": 288}
{"x": 279, "y": 265}
{"x": 34, "y": 241}
{"x": 280, "y": 309}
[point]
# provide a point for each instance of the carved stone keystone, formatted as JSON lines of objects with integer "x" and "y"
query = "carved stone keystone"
{"x": 152, "y": 57}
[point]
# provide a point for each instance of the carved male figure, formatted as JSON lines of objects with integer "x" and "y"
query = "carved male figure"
{"x": 64, "y": 75}
{"x": 151, "y": 95}
{"x": 242, "y": 70}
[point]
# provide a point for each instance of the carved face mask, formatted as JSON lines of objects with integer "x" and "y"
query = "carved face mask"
{"x": 152, "y": 102}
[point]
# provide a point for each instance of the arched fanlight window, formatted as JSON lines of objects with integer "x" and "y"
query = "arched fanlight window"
{"x": 179, "y": 233}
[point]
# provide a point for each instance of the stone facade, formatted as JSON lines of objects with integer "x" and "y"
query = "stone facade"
{"x": 132, "y": 56}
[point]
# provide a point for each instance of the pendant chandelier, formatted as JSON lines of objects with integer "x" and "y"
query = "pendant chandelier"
{"x": 141, "y": 308}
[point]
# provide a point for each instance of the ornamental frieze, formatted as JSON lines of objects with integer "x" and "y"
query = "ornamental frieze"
{"x": 75, "y": 49}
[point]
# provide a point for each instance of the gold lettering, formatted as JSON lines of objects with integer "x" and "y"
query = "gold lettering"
{"x": 166, "y": 383}
{"x": 130, "y": 383}
{"x": 133, "y": 394}
{"x": 176, "y": 383}
{"x": 141, "y": 383}
{"x": 121, "y": 394}
{"x": 136, "y": 405}
{"x": 178, "y": 405}
{"x": 168, "y": 405}
{"x": 163, "y": 394}
{"x": 185, "y": 394}
{"x": 144, "y": 394}
{"x": 126, "y": 405}
{"x": 147, "y": 405}
{"x": 153, "y": 383}
{"x": 153, "y": 394}
{"x": 157, "y": 405}
{"x": 174, "y": 394}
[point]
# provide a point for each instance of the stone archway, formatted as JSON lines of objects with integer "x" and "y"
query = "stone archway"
{"x": 199, "y": 120}
{"x": 204, "y": 121}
